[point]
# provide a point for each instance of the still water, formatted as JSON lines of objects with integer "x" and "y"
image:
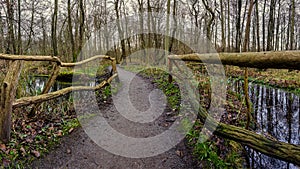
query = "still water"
{"x": 36, "y": 85}
{"x": 276, "y": 114}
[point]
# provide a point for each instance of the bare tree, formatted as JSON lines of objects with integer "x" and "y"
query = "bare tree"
{"x": 11, "y": 46}
{"x": 271, "y": 26}
{"x": 210, "y": 19}
{"x": 71, "y": 32}
{"x": 292, "y": 24}
{"x": 53, "y": 29}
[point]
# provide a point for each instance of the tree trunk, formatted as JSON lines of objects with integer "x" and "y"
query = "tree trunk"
{"x": 264, "y": 26}
{"x": 247, "y": 31}
{"x": 271, "y": 26}
{"x": 238, "y": 26}
{"x": 222, "y": 27}
{"x": 211, "y": 18}
{"x": 71, "y": 32}
{"x": 257, "y": 27}
{"x": 228, "y": 25}
{"x": 128, "y": 39}
{"x": 246, "y": 42}
{"x": 53, "y": 29}
{"x": 292, "y": 25}
{"x": 19, "y": 28}
{"x": 120, "y": 31}
{"x": 1, "y": 34}
{"x": 11, "y": 46}
{"x": 167, "y": 39}
{"x": 174, "y": 26}
{"x": 31, "y": 32}
{"x": 277, "y": 149}
{"x": 277, "y": 26}
{"x": 81, "y": 26}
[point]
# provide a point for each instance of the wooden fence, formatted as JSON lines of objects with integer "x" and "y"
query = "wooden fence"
{"x": 10, "y": 83}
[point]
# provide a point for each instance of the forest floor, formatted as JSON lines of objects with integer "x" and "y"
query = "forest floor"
{"x": 77, "y": 150}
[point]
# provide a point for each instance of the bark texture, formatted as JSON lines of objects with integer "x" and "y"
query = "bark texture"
{"x": 277, "y": 60}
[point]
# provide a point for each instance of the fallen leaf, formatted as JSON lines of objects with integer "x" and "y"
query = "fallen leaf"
{"x": 51, "y": 128}
{"x": 71, "y": 129}
{"x": 36, "y": 153}
{"x": 3, "y": 147}
{"x": 179, "y": 153}
{"x": 23, "y": 150}
{"x": 59, "y": 133}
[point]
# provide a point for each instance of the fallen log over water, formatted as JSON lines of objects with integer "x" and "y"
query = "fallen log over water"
{"x": 25, "y": 101}
{"x": 271, "y": 147}
{"x": 263, "y": 60}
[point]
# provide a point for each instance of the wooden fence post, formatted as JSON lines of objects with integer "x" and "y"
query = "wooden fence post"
{"x": 8, "y": 93}
{"x": 114, "y": 65}
{"x": 49, "y": 84}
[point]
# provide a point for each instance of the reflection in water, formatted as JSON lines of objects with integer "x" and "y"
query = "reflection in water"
{"x": 37, "y": 84}
{"x": 276, "y": 113}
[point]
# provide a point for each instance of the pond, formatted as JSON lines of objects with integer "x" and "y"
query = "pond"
{"x": 276, "y": 115}
{"x": 36, "y": 84}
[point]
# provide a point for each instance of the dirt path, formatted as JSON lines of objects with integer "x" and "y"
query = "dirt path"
{"x": 79, "y": 151}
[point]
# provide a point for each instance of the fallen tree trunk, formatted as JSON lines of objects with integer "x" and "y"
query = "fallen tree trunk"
{"x": 277, "y": 60}
{"x": 271, "y": 147}
{"x": 280, "y": 150}
{"x": 52, "y": 59}
{"x": 25, "y": 101}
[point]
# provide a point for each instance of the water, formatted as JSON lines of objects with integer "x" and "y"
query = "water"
{"x": 276, "y": 113}
{"x": 36, "y": 84}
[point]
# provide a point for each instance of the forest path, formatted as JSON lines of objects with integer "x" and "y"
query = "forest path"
{"x": 77, "y": 150}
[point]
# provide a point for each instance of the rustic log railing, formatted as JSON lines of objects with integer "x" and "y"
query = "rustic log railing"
{"x": 10, "y": 83}
{"x": 262, "y": 60}
{"x": 278, "y": 60}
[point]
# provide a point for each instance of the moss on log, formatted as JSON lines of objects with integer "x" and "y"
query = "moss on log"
{"x": 273, "y": 148}
{"x": 7, "y": 96}
{"x": 277, "y": 60}
{"x": 25, "y": 101}
{"x": 51, "y": 59}
{"x": 280, "y": 150}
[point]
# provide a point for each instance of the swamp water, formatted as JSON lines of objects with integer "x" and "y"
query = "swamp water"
{"x": 276, "y": 114}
